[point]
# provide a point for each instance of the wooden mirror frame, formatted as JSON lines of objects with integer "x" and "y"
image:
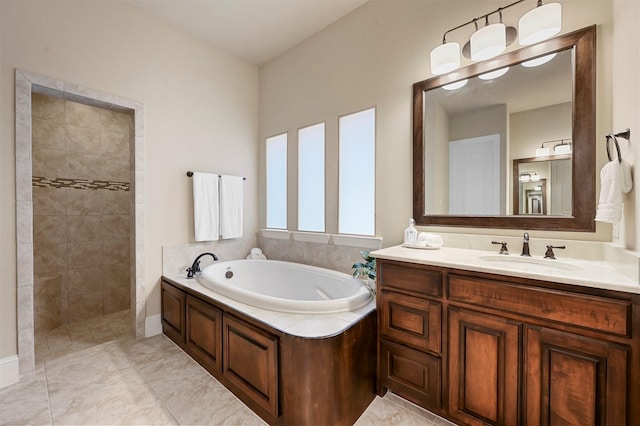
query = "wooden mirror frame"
{"x": 583, "y": 136}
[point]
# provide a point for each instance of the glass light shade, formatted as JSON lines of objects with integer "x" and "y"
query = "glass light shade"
{"x": 525, "y": 178}
{"x": 565, "y": 148}
{"x": 456, "y": 85}
{"x": 493, "y": 74}
{"x": 543, "y": 152}
{"x": 540, "y": 23}
{"x": 535, "y": 177}
{"x": 488, "y": 42}
{"x": 539, "y": 61}
{"x": 445, "y": 58}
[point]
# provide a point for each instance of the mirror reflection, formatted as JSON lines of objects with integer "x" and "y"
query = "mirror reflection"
{"x": 482, "y": 141}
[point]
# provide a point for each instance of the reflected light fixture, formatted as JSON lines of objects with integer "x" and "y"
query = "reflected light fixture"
{"x": 491, "y": 40}
{"x": 525, "y": 177}
{"x": 540, "y": 23}
{"x": 564, "y": 147}
{"x": 494, "y": 74}
{"x": 456, "y": 85}
{"x": 538, "y": 61}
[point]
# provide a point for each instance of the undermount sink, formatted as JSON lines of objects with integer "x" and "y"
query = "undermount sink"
{"x": 532, "y": 264}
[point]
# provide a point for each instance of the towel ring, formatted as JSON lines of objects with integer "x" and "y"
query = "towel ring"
{"x": 615, "y": 141}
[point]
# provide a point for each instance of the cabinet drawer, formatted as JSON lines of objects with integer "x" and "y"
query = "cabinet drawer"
{"x": 411, "y": 374}
{"x": 597, "y": 313}
{"x": 412, "y": 321}
{"x": 413, "y": 278}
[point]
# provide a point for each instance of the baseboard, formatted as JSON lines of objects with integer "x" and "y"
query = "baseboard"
{"x": 9, "y": 371}
{"x": 153, "y": 325}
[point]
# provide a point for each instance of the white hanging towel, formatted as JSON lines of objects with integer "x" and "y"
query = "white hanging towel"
{"x": 610, "y": 202}
{"x": 231, "y": 201}
{"x": 206, "y": 212}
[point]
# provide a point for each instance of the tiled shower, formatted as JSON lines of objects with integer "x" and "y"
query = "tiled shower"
{"x": 81, "y": 208}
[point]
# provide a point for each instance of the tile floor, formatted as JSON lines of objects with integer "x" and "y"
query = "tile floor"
{"x": 95, "y": 373}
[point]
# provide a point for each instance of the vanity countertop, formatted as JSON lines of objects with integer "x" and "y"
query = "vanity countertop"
{"x": 587, "y": 273}
{"x": 301, "y": 325}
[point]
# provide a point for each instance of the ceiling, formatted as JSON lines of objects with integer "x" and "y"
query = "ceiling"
{"x": 256, "y": 30}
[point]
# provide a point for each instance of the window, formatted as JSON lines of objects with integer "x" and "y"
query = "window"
{"x": 277, "y": 181}
{"x": 311, "y": 178}
{"x": 356, "y": 211}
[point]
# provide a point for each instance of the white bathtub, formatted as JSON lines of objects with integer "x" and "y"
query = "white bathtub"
{"x": 285, "y": 286}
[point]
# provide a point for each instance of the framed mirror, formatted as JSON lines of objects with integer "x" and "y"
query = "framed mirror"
{"x": 467, "y": 141}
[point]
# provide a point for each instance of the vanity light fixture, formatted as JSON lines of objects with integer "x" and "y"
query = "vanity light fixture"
{"x": 564, "y": 147}
{"x": 539, "y": 24}
{"x": 489, "y": 41}
{"x": 456, "y": 85}
{"x": 493, "y": 74}
{"x": 525, "y": 177}
{"x": 492, "y": 39}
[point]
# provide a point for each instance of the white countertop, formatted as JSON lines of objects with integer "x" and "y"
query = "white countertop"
{"x": 587, "y": 273}
{"x": 301, "y": 325}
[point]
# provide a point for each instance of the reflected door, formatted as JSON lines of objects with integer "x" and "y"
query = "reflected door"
{"x": 474, "y": 176}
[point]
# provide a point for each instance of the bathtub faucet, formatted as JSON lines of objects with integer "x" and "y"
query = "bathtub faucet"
{"x": 195, "y": 268}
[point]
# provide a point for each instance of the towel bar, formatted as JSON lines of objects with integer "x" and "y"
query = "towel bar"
{"x": 190, "y": 174}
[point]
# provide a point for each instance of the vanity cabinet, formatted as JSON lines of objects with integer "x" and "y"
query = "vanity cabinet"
{"x": 499, "y": 350}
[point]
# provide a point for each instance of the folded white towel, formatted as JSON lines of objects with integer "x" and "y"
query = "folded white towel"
{"x": 256, "y": 253}
{"x": 610, "y": 202}
{"x": 205, "y": 206}
{"x": 430, "y": 240}
{"x": 231, "y": 206}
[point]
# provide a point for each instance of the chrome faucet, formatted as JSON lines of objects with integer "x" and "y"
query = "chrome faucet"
{"x": 525, "y": 245}
{"x": 195, "y": 268}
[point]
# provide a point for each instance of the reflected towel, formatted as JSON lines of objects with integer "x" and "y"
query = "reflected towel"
{"x": 231, "y": 203}
{"x": 205, "y": 206}
{"x": 610, "y": 202}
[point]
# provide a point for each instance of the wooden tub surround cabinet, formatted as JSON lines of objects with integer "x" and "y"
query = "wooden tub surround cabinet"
{"x": 285, "y": 379}
{"x": 486, "y": 349}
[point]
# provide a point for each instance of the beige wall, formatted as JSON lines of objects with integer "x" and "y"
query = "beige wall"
{"x": 626, "y": 108}
{"x": 372, "y": 57}
{"x": 201, "y": 113}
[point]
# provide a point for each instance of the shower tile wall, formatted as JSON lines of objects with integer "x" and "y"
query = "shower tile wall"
{"x": 81, "y": 203}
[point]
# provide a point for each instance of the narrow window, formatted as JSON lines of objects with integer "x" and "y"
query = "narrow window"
{"x": 311, "y": 178}
{"x": 277, "y": 182}
{"x": 356, "y": 211}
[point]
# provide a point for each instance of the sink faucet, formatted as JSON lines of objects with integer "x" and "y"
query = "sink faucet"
{"x": 549, "y": 254}
{"x": 195, "y": 268}
{"x": 525, "y": 245}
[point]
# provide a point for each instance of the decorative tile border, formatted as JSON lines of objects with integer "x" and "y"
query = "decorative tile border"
{"x": 45, "y": 182}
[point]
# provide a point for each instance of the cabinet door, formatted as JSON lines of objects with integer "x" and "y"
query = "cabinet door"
{"x": 411, "y": 321}
{"x": 411, "y": 374}
{"x": 173, "y": 317}
{"x": 251, "y": 362}
{"x": 574, "y": 380}
{"x": 204, "y": 334}
{"x": 484, "y": 357}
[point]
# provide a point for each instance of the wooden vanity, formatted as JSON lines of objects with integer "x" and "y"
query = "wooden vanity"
{"x": 481, "y": 348}
{"x": 285, "y": 379}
